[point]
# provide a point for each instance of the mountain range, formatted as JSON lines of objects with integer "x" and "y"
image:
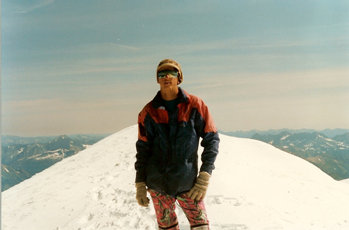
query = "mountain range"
{"x": 249, "y": 133}
{"x": 23, "y": 157}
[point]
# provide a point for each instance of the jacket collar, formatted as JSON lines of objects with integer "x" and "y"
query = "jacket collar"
{"x": 158, "y": 101}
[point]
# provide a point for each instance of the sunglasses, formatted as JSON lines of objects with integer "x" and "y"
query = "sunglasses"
{"x": 164, "y": 73}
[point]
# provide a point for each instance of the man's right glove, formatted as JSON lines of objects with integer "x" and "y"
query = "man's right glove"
{"x": 141, "y": 194}
{"x": 198, "y": 192}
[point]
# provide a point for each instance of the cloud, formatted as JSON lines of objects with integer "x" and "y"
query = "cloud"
{"x": 228, "y": 89}
{"x": 57, "y": 116}
{"x": 36, "y": 5}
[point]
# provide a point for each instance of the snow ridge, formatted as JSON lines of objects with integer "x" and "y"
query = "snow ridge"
{"x": 254, "y": 186}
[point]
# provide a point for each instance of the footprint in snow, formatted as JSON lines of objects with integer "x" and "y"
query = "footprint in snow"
{"x": 219, "y": 199}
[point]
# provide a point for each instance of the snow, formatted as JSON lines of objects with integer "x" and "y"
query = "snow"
{"x": 5, "y": 168}
{"x": 284, "y": 137}
{"x": 52, "y": 156}
{"x": 20, "y": 150}
{"x": 34, "y": 156}
{"x": 254, "y": 186}
{"x": 54, "y": 151}
{"x": 328, "y": 139}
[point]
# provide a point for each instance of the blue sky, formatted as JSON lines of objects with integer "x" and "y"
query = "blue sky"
{"x": 89, "y": 66}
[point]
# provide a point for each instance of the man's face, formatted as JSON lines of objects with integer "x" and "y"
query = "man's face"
{"x": 167, "y": 79}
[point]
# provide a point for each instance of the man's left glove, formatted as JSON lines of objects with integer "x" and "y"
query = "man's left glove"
{"x": 141, "y": 194}
{"x": 198, "y": 192}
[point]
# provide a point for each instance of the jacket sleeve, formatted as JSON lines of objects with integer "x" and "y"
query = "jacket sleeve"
{"x": 142, "y": 147}
{"x": 210, "y": 139}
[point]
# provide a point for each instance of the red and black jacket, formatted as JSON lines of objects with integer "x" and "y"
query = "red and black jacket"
{"x": 167, "y": 158}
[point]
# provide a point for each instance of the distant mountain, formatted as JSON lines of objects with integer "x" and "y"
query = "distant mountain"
{"x": 22, "y": 157}
{"x": 85, "y": 138}
{"x": 327, "y": 132}
{"x": 330, "y": 154}
{"x": 334, "y": 132}
{"x": 7, "y": 140}
{"x": 11, "y": 176}
{"x": 343, "y": 138}
{"x": 88, "y": 139}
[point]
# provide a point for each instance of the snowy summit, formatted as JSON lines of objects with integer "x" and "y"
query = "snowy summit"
{"x": 254, "y": 186}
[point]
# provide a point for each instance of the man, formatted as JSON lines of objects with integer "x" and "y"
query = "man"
{"x": 169, "y": 128}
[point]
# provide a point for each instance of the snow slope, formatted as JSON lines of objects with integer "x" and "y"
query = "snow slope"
{"x": 254, "y": 186}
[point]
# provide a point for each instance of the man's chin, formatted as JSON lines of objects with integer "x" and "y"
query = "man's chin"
{"x": 169, "y": 87}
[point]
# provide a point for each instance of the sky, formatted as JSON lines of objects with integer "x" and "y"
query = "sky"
{"x": 71, "y": 67}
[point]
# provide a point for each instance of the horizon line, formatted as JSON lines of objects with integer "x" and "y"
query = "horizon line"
{"x": 219, "y": 131}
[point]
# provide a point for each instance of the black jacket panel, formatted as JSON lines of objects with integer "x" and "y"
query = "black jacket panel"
{"x": 167, "y": 158}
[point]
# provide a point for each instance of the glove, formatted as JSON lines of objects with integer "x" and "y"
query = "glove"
{"x": 141, "y": 194}
{"x": 198, "y": 191}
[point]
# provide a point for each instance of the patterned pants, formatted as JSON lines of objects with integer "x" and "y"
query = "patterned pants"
{"x": 165, "y": 211}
